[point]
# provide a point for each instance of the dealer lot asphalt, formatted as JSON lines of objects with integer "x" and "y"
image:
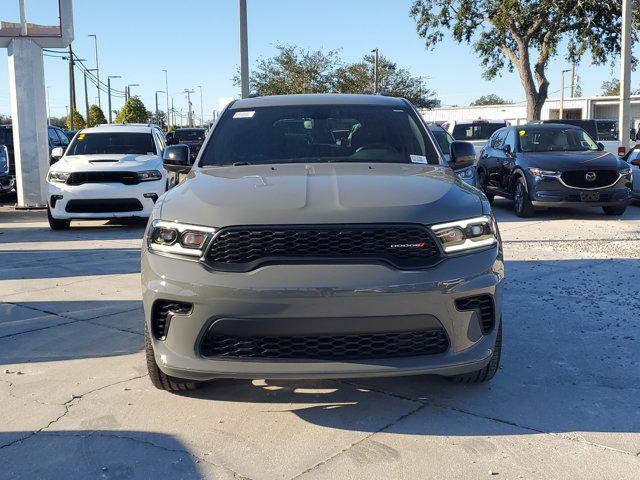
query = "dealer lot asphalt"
{"x": 76, "y": 401}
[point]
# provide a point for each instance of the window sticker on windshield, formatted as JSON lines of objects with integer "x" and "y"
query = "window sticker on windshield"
{"x": 81, "y": 136}
{"x": 521, "y": 133}
{"x": 245, "y": 114}
{"x": 418, "y": 159}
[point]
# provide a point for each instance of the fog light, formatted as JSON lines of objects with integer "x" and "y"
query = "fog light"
{"x": 54, "y": 199}
{"x": 152, "y": 196}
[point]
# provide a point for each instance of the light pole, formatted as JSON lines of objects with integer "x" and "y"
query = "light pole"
{"x": 158, "y": 111}
{"x": 95, "y": 44}
{"x": 624, "y": 113}
{"x": 244, "y": 50}
{"x": 561, "y": 113}
{"x": 375, "y": 71}
{"x": 166, "y": 88}
{"x": 201, "y": 109}
{"x": 129, "y": 89}
{"x": 109, "y": 92}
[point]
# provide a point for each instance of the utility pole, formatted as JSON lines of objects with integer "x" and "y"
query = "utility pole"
{"x": 86, "y": 98}
{"x": 376, "y": 80}
{"x": 109, "y": 92}
{"x": 201, "y": 109}
{"x": 624, "y": 114}
{"x": 95, "y": 44}
{"x": 72, "y": 89}
{"x": 190, "y": 117}
{"x": 157, "y": 110}
{"x": 573, "y": 78}
{"x": 244, "y": 50}
{"x": 166, "y": 88}
{"x": 128, "y": 91}
{"x": 561, "y": 113}
{"x": 173, "y": 113}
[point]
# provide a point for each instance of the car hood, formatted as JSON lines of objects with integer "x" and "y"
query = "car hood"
{"x": 320, "y": 193}
{"x": 571, "y": 160}
{"x": 83, "y": 163}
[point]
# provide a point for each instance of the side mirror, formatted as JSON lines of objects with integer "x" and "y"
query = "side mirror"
{"x": 507, "y": 149}
{"x": 177, "y": 158}
{"x": 600, "y": 146}
{"x": 463, "y": 155}
{"x": 57, "y": 153}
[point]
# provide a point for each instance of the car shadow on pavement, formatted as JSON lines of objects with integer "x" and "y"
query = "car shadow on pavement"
{"x": 503, "y": 210}
{"x": 108, "y": 454}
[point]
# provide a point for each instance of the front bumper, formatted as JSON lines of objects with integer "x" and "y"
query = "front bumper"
{"x": 549, "y": 192}
{"x": 302, "y": 296}
{"x": 146, "y": 193}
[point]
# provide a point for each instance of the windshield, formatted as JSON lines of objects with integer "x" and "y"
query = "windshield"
{"x": 473, "y": 131}
{"x": 318, "y": 133}
{"x": 189, "y": 135}
{"x": 6, "y": 136}
{"x": 555, "y": 140}
{"x": 117, "y": 143}
{"x": 607, "y": 129}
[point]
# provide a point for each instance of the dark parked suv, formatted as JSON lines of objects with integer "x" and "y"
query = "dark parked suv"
{"x": 553, "y": 165}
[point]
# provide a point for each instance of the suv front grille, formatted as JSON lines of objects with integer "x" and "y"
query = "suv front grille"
{"x": 104, "y": 205}
{"x": 483, "y": 306}
{"x": 80, "y": 178}
{"x": 329, "y": 347}
{"x": 245, "y": 248}
{"x": 576, "y": 178}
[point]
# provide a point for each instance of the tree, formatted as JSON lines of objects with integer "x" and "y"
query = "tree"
{"x": 524, "y": 34}
{"x": 78, "y": 121}
{"x": 491, "y": 99}
{"x": 96, "y": 116}
{"x": 133, "y": 111}
{"x": 398, "y": 82}
{"x": 5, "y": 120}
{"x": 294, "y": 70}
{"x": 611, "y": 88}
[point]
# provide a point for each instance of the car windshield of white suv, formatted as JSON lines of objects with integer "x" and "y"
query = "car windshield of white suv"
{"x": 555, "y": 140}
{"x": 475, "y": 131}
{"x": 112, "y": 143}
{"x": 318, "y": 133}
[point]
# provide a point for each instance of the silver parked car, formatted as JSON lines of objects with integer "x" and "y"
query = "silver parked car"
{"x": 321, "y": 236}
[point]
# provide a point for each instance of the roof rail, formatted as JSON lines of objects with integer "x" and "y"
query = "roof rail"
{"x": 127, "y": 125}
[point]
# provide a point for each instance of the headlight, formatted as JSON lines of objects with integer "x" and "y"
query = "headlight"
{"x": 625, "y": 171}
{"x": 149, "y": 175}
{"x": 466, "y": 234}
{"x": 60, "y": 177}
{"x": 178, "y": 238}
{"x": 466, "y": 173}
{"x": 538, "y": 172}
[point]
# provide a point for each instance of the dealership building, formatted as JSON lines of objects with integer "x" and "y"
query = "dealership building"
{"x": 598, "y": 108}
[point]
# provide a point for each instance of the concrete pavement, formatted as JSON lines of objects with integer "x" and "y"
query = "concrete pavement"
{"x": 76, "y": 402}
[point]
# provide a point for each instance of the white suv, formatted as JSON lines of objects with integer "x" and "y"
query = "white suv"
{"x": 108, "y": 171}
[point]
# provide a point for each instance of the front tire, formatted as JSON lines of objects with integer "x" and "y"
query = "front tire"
{"x": 57, "y": 224}
{"x": 487, "y": 373}
{"x": 161, "y": 380}
{"x": 614, "y": 211}
{"x": 521, "y": 203}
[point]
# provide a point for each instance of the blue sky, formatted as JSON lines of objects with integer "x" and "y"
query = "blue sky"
{"x": 197, "y": 42}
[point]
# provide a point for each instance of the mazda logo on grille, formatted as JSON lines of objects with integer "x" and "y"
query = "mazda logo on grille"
{"x": 590, "y": 176}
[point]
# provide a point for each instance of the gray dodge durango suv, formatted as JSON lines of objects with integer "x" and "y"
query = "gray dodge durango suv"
{"x": 321, "y": 236}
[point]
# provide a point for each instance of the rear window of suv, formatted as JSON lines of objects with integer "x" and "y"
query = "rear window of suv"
{"x": 114, "y": 143}
{"x": 318, "y": 133}
{"x": 475, "y": 131}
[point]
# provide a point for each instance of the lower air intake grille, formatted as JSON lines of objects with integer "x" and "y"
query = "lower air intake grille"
{"x": 483, "y": 306}
{"x": 105, "y": 205}
{"x": 242, "y": 249}
{"x": 161, "y": 314}
{"x": 330, "y": 347}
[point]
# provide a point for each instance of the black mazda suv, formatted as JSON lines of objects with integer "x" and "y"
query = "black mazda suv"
{"x": 553, "y": 165}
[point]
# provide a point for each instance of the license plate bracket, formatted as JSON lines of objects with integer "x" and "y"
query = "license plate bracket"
{"x": 590, "y": 196}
